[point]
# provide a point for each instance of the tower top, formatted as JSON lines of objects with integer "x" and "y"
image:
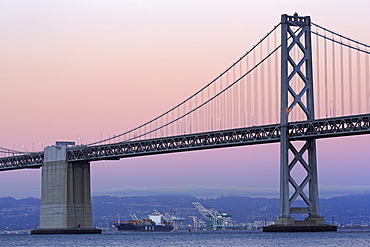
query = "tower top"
{"x": 296, "y": 20}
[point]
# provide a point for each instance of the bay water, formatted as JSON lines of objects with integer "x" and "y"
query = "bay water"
{"x": 345, "y": 238}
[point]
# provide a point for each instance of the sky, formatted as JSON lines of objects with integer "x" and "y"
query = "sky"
{"x": 83, "y": 70}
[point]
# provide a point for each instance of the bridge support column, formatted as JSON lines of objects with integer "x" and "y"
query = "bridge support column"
{"x": 296, "y": 66}
{"x": 65, "y": 195}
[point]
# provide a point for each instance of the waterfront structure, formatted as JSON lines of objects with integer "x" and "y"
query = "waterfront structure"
{"x": 215, "y": 220}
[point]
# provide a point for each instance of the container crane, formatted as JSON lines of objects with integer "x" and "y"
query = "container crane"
{"x": 215, "y": 219}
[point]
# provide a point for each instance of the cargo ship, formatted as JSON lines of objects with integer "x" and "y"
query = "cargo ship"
{"x": 155, "y": 223}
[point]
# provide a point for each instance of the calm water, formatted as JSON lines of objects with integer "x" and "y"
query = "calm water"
{"x": 234, "y": 238}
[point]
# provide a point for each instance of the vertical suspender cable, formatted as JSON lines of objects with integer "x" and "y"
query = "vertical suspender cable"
{"x": 249, "y": 101}
{"x": 342, "y": 76}
{"x": 173, "y": 124}
{"x": 166, "y": 128}
{"x": 202, "y": 112}
{"x": 191, "y": 116}
{"x": 229, "y": 100}
{"x": 234, "y": 108}
{"x": 276, "y": 79}
{"x": 210, "y": 105}
{"x": 318, "y": 75}
{"x": 262, "y": 98}
{"x": 358, "y": 82}
{"x": 350, "y": 78}
{"x": 161, "y": 128}
{"x": 196, "y": 117}
{"x": 209, "y": 113}
{"x": 237, "y": 105}
{"x": 214, "y": 103}
{"x": 179, "y": 123}
{"x": 334, "y": 101}
{"x": 241, "y": 98}
{"x": 185, "y": 122}
{"x": 227, "y": 92}
{"x": 326, "y": 76}
{"x": 367, "y": 93}
{"x": 269, "y": 105}
{"x": 223, "y": 103}
{"x": 253, "y": 87}
{"x": 218, "y": 105}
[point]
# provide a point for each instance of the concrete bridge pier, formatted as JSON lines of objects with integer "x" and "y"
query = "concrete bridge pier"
{"x": 65, "y": 195}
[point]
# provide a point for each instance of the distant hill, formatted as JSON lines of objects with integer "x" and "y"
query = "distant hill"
{"x": 24, "y": 213}
{"x": 353, "y": 209}
{"x": 19, "y": 214}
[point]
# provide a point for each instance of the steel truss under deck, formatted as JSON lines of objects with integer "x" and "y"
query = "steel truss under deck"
{"x": 317, "y": 129}
{"x": 31, "y": 160}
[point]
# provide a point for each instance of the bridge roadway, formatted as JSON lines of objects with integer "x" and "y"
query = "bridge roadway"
{"x": 317, "y": 129}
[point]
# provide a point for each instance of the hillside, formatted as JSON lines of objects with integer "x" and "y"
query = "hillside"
{"x": 24, "y": 213}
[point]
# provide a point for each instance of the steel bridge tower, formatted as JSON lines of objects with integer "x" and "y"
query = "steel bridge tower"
{"x": 296, "y": 64}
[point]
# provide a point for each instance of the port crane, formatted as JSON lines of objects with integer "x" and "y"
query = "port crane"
{"x": 197, "y": 223}
{"x": 215, "y": 219}
{"x": 170, "y": 216}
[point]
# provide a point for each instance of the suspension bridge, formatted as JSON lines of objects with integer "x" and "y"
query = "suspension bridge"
{"x": 298, "y": 83}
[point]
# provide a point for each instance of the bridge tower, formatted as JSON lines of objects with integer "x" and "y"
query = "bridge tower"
{"x": 65, "y": 195}
{"x": 296, "y": 63}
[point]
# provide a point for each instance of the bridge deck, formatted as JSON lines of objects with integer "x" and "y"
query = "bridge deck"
{"x": 317, "y": 129}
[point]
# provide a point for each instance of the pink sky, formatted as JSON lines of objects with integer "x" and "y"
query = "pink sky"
{"x": 83, "y": 69}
